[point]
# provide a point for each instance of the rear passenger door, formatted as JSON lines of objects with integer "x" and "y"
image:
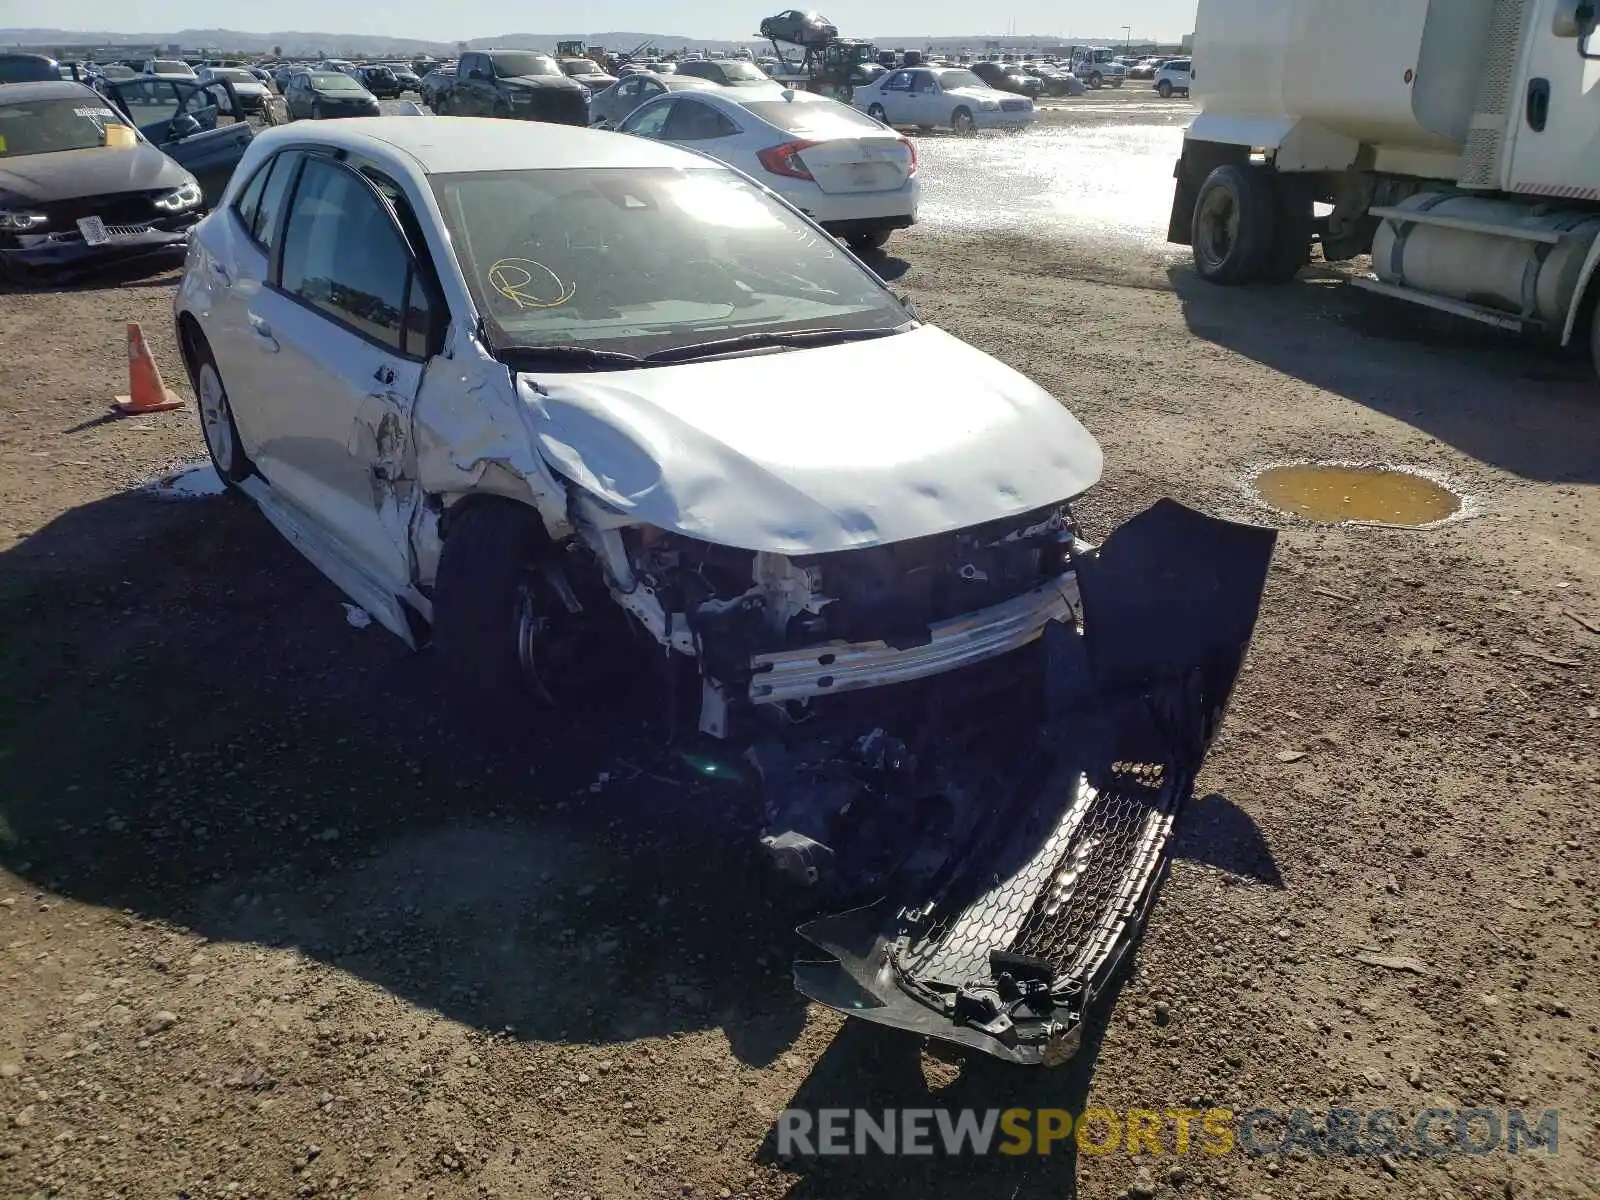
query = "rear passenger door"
{"x": 350, "y": 314}
{"x": 896, "y": 98}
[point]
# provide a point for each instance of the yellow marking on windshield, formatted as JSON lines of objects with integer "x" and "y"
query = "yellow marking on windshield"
{"x": 513, "y": 278}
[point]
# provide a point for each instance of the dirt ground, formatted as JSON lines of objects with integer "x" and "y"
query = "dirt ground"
{"x": 272, "y": 924}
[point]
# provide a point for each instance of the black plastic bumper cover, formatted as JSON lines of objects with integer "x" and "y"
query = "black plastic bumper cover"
{"x": 1006, "y": 950}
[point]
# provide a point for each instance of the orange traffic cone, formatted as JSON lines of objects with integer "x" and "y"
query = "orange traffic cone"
{"x": 148, "y": 393}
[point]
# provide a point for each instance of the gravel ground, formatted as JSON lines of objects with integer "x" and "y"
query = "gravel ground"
{"x": 272, "y": 924}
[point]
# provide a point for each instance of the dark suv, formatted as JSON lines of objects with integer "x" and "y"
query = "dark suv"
{"x": 517, "y": 83}
{"x": 1008, "y": 77}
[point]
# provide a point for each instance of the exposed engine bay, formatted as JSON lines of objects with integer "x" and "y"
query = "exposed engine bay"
{"x": 992, "y": 837}
{"x": 776, "y": 632}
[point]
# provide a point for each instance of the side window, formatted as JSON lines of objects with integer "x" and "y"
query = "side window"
{"x": 692, "y": 121}
{"x": 650, "y": 121}
{"x": 900, "y": 81}
{"x": 423, "y": 292}
{"x": 249, "y": 201}
{"x": 150, "y": 100}
{"x": 343, "y": 256}
{"x": 269, "y": 221}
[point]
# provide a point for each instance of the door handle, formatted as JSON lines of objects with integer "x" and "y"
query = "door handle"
{"x": 1538, "y": 106}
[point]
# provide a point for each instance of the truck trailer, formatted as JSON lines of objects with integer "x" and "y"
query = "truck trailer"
{"x": 1456, "y": 141}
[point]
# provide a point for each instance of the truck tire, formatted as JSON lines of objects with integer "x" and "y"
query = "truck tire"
{"x": 1095, "y": 81}
{"x": 1165, "y": 89}
{"x": 1116, "y": 83}
{"x": 1291, "y": 233}
{"x": 1235, "y": 217}
{"x": 482, "y": 607}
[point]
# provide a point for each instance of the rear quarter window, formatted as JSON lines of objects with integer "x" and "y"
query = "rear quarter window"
{"x": 814, "y": 120}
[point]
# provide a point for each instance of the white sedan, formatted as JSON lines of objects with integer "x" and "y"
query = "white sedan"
{"x": 507, "y": 382}
{"x": 851, "y": 174}
{"x": 942, "y": 98}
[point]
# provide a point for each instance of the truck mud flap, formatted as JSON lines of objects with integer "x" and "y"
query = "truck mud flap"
{"x": 1005, "y": 944}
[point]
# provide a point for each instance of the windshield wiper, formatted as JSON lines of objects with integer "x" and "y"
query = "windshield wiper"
{"x": 794, "y": 339}
{"x": 564, "y": 358}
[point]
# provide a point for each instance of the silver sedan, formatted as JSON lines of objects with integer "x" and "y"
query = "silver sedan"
{"x": 608, "y": 108}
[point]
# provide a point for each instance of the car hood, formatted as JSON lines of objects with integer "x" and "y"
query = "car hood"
{"x": 69, "y": 174}
{"x": 976, "y": 93}
{"x": 810, "y": 451}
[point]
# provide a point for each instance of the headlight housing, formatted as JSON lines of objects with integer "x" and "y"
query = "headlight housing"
{"x": 989, "y": 105}
{"x": 179, "y": 199}
{"x": 17, "y": 221}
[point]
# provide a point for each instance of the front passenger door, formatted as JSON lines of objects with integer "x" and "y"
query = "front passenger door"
{"x": 342, "y": 334}
{"x": 199, "y": 125}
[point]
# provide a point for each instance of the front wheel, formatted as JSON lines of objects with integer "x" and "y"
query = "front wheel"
{"x": 216, "y": 417}
{"x": 1235, "y": 218}
{"x": 869, "y": 241}
{"x": 1096, "y": 81}
{"x": 1165, "y": 89}
{"x": 1116, "y": 83}
{"x": 963, "y": 122}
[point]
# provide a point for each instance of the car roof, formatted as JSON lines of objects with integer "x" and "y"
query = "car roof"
{"x": 687, "y": 83}
{"x": 743, "y": 97}
{"x": 46, "y": 89}
{"x": 449, "y": 145}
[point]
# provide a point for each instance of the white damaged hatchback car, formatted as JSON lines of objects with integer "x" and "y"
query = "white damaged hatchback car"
{"x": 488, "y": 374}
{"x": 547, "y": 393}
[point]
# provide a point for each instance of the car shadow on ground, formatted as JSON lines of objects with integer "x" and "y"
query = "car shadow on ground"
{"x": 149, "y": 272}
{"x": 192, "y": 731}
{"x": 1523, "y": 408}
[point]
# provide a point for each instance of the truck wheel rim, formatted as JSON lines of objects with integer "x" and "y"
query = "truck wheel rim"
{"x": 1218, "y": 228}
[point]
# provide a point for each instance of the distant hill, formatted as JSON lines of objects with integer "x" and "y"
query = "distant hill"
{"x": 294, "y": 43}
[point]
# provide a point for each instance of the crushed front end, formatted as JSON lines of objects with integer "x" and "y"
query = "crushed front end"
{"x": 994, "y": 861}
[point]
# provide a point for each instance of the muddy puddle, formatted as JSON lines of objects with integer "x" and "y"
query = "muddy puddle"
{"x": 201, "y": 479}
{"x": 1334, "y": 493}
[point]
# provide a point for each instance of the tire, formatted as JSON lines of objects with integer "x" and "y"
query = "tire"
{"x": 316, "y": 112}
{"x": 963, "y": 122}
{"x": 1594, "y": 339}
{"x": 217, "y": 426}
{"x": 1235, "y": 216}
{"x": 1095, "y": 81}
{"x": 1116, "y": 83}
{"x": 869, "y": 241}
{"x": 1291, "y": 232}
{"x": 482, "y": 605}
{"x": 876, "y": 112}
{"x": 1164, "y": 88}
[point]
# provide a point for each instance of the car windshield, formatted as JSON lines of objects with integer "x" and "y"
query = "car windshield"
{"x": 116, "y": 72}
{"x": 84, "y": 122}
{"x": 512, "y": 66}
{"x": 817, "y": 119}
{"x": 578, "y": 66}
{"x": 170, "y": 66}
{"x": 380, "y": 73}
{"x": 741, "y": 72}
{"x": 332, "y": 81}
{"x": 959, "y": 79}
{"x": 645, "y": 260}
{"x": 233, "y": 75}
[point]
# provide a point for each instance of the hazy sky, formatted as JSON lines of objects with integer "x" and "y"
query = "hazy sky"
{"x": 1164, "y": 19}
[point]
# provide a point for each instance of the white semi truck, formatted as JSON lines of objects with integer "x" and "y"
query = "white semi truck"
{"x": 1457, "y": 141}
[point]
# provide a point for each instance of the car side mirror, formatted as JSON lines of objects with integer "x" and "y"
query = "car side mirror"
{"x": 183, "y": 125}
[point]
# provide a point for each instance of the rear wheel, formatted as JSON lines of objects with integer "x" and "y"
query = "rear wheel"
{"x": 869, "y": 241}
{"x": 877, "y": 114}
{"x": 1235, "y": 216}
{"x": 962, "y": 121}
{"x": 1165, "y": 88}
{"x": 1291, "y": 231}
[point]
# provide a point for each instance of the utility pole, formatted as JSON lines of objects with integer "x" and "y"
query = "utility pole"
{"x": 1127, "y": 38}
